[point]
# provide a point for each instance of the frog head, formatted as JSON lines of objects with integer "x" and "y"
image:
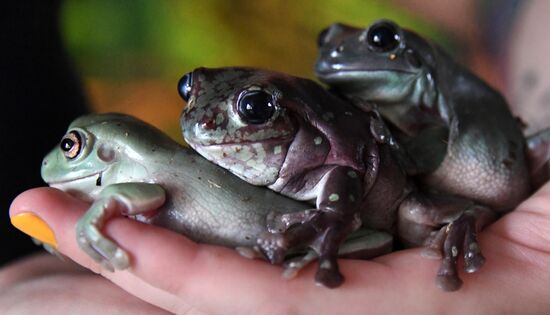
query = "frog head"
{"x": 94, "y": 152}
{"x": 382, "y": 63}
{"x": 243, "y": 119}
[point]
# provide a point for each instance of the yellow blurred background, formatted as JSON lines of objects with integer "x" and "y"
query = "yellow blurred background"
{"x": 131, "y": 54}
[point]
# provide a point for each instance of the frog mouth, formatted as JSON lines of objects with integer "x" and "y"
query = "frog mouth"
{"x": 79, "y": 179}
{"x": 335, "y": 73}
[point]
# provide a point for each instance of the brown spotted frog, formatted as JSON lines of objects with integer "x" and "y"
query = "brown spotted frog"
{"x": 290, "y": 135}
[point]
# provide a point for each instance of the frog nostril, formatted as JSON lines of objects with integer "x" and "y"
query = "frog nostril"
{"x": 209, "y": 124}
{"x": 337, "y": 51}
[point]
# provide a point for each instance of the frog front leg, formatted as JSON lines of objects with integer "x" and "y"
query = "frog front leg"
{"x": 324, "y": 228}
{"x": 448, "y": 227}
{"x": 116, "y": 199}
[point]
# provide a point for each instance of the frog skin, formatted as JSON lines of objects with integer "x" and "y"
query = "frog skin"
{"x": 290, "y": 135}
{"x": 459, "y": 131}
{"x": 127, "y": 167}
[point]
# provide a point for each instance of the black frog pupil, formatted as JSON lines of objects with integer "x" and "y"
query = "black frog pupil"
{"x": 67, "y": 145}
{"x": 256, "y": 107}
{"x": 383, "y": 37}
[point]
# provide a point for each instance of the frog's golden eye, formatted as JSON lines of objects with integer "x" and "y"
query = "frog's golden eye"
{"x": 71, "y": 144}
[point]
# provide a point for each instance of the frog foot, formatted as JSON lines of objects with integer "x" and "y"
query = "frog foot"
{"x": 99, "y": 247}
{"x": 274, "y": 246}
{"x": 459, "y": 236}
{"x": 324, "y": 233}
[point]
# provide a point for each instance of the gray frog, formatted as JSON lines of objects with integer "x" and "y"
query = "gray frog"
{"x": 127, "y": 167}
{"x": 292, "y": 136}
{"x": 459, "y": 132}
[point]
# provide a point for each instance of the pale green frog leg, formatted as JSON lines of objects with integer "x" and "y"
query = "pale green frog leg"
{"x": 116, "y": 199}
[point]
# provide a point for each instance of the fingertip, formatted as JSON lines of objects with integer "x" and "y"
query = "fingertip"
{"x": 40, "y": 200}
{"x": 49, "y": 215}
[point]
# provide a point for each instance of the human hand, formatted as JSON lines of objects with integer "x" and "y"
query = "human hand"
{"x": 175, "y": 274}
{"x": 43, "y": 284}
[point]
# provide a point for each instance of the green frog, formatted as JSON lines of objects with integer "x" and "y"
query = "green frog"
{"x": 124, "y": 166}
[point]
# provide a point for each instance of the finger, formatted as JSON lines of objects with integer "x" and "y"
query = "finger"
{"x": 529, "y": 224}
{"x": 42, "y": 282}
{"x": 163, "y": 259}
{"x": 61, "y": 212}
{"x": 213, "y": 278}
{"x": 217, "y": 280}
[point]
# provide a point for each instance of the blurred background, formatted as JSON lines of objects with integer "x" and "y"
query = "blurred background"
{"x": 65, "y": 58}
{"x": 130, "y": 57}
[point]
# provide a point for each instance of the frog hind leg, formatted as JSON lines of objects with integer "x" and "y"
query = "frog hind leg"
{"x": 116, "y": 199}
{"x": 538, "y": 156}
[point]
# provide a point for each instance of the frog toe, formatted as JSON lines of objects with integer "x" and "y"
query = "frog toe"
{"x": 448, "y": 282}
{"x": 447, "y": 277}
{"x": 101, "y": 249}
{"x": 294, "y": 265}
{"x": 274, "y": 246}
{"x": 328, "y": 275}
{"x": 473, "y": 259}
{"x": 433, "y": 246}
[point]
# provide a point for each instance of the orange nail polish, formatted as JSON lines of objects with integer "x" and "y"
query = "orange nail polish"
{"x": 34, "y": 226}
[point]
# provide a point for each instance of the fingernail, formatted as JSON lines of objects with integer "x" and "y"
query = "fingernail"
{"x": 32, "y": 225}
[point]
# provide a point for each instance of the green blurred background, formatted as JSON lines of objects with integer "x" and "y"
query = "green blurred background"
{"x": 131, "y": 54}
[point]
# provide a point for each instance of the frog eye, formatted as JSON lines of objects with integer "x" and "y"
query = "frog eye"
{"x": 383, "y": 37}
{"x": 71, "y": 144}
{"x": 184, "y": 86}
{"x": 256, "y": 107}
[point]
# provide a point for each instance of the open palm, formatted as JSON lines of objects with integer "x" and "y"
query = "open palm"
{"x": 175, "y": 274}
